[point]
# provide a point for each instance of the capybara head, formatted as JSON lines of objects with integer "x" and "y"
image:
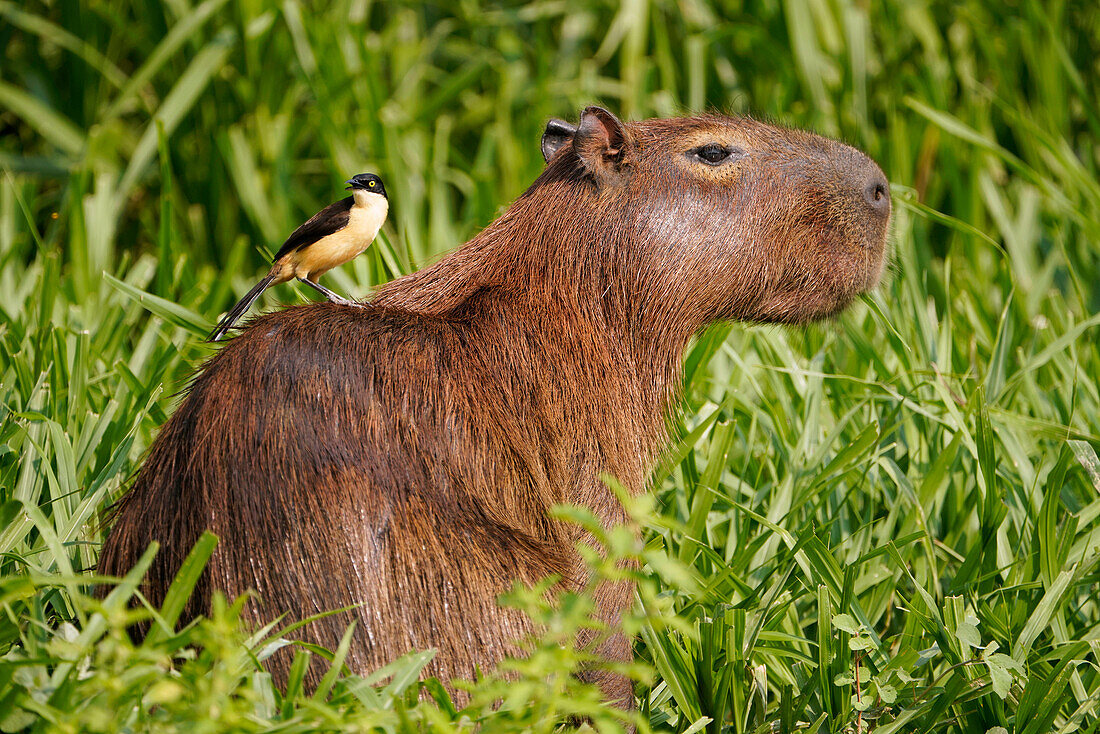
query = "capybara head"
{"x": 736, "y": 218}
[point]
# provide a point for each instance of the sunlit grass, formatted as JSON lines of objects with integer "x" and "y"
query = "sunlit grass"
{"x": 908, "y": 497}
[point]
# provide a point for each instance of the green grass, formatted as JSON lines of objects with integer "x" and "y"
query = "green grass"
{"x": 888, "y": 523}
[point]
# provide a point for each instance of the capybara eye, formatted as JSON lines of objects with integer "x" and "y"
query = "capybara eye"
{"x": 712, "y": 153}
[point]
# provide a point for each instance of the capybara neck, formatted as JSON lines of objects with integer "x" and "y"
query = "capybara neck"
{"x": 555, "y": 267}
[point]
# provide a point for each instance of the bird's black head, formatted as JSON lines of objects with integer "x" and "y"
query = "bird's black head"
{"x": 367, "y": 182}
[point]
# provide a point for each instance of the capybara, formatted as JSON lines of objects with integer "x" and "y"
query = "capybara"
{"x": 401, "y": 456}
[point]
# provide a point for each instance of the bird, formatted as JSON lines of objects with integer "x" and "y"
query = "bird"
{"x": 331, "y": 237}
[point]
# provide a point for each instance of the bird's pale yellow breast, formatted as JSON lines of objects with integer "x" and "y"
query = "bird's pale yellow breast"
{"x": 364, "y": 220}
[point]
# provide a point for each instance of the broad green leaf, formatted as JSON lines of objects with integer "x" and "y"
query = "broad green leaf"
{"x": 167, "y": 310}
{"x": 846, "y": 623}
{"x": 968, "y": 635}
{"x": 179, "y": 591}
{"x": 50, "y": 124}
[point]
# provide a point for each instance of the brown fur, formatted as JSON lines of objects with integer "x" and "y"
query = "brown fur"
{"x": 403, "y": 456}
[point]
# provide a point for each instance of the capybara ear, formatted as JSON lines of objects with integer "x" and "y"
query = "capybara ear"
{"x": 557, "y": 133}
{"x": 603, "y": 144}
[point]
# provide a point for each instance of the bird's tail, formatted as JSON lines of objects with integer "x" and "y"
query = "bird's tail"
{"x": 242, "y": 305}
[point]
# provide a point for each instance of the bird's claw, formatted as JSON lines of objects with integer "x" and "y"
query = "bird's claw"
{"x": 341, "y": 301}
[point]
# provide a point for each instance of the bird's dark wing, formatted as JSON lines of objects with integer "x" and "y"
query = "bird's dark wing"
{"x": 332, "y": 218}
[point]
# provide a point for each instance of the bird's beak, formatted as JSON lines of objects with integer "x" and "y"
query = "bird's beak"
{"x": 350, "y": 185}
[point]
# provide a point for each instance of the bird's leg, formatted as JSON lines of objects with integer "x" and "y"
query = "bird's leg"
{"x": 328, "y": 294}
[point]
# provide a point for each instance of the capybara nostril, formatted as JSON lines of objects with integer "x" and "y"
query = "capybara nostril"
{"x": 877, "y": 193}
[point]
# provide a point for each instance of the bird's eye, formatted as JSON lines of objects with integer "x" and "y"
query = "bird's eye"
{"x": 371, "y": 184}
{"x": 712, "y": 153}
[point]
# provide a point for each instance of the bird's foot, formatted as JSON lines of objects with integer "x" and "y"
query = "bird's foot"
{"x": 332, "y": 297}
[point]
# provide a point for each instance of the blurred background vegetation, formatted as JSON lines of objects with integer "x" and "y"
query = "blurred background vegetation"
{"x": 921, "y": 467}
